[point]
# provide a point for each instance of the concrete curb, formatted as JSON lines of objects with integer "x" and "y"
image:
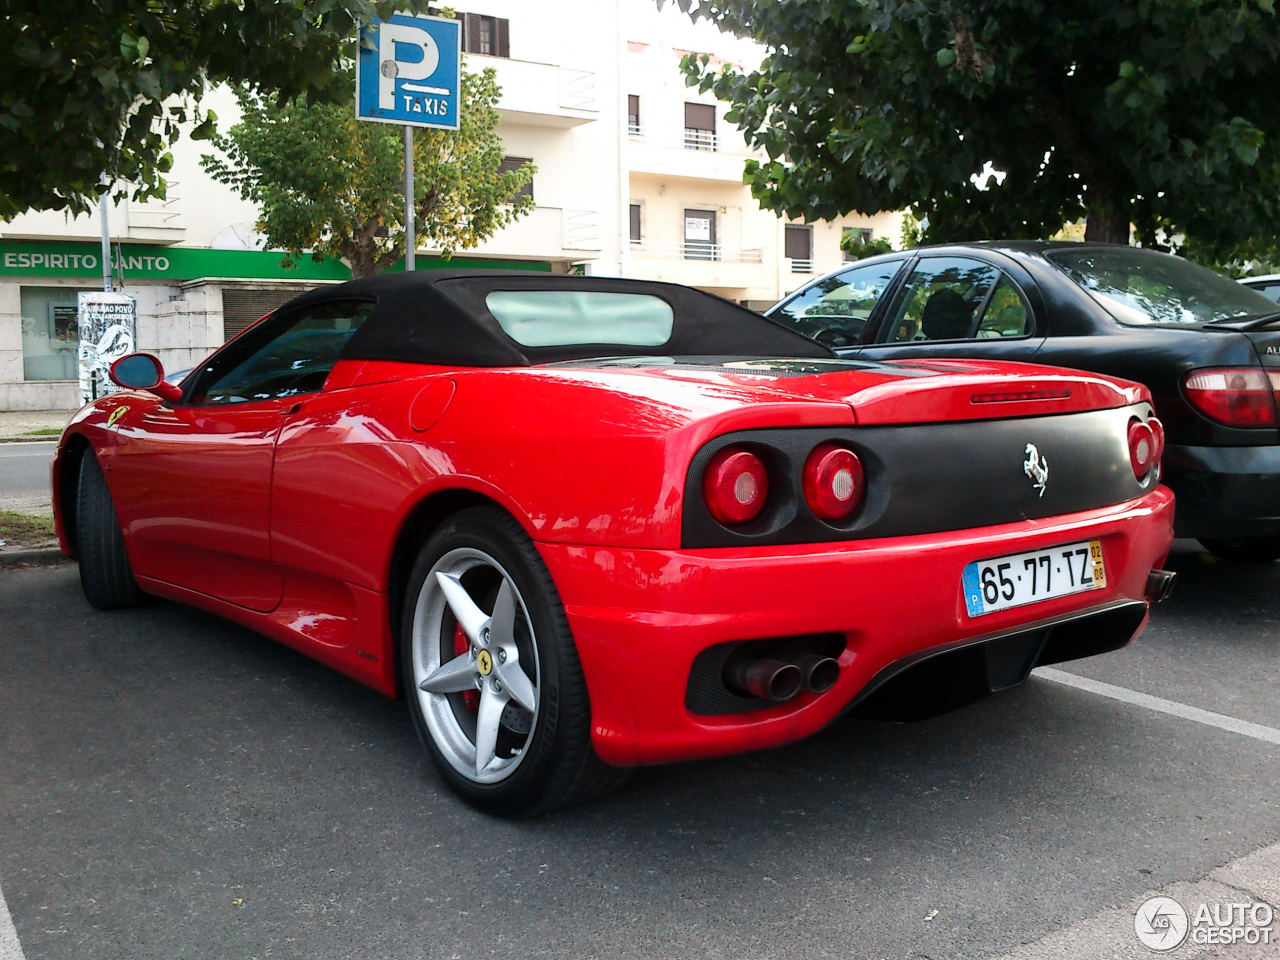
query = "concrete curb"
{"x": 42, "y": 556}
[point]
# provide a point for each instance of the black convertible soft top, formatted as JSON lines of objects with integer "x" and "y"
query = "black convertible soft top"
{"x": 440, "y": 317}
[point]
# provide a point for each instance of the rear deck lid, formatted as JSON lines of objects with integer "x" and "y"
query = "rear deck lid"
{"x": 1267, "y": 343}
{"x": 897, "y": 392}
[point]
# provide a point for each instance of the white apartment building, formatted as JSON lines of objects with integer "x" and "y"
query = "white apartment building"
{"x": 637, "y": 175}
{"x": 691, "y": 219}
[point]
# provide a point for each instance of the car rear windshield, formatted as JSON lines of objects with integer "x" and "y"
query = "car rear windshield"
{"x": 1143, "y": 286}
{"x": 558, "y": 318}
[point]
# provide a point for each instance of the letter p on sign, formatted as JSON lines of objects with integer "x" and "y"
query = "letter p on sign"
{"x": 407, "y": 53}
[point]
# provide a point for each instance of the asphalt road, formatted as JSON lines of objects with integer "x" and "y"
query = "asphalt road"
{"x": 173, "y": 785}
{"x": 24, "y": 476}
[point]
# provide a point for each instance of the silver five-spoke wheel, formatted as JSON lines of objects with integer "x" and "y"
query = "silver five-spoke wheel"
{"x": 475, "y": 665}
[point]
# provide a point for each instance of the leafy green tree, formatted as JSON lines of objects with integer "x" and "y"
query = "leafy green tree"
{"x": 99, "y": 87}
{"x": 1009, "y": 118}
{"x": 860, "y": 249}
{"x": 333, "y": 185}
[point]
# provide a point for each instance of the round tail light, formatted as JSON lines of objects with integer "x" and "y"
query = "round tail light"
{"x": 735, "y": 485}
{"x": 833, "y": 481}
{"x": 1142, "y": 448}
{"x": 1157, "y": 428}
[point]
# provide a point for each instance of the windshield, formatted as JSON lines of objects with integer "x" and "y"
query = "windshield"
{"x": 1142, "y": 286}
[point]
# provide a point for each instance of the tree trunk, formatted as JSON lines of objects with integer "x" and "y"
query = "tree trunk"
{"x": 1106, "y": 203}
{"x": 1107, "y": 222}
{"x": 362, "y": 254}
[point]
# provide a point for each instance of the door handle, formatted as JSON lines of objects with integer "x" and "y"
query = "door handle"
{"x": 292, "y": 410}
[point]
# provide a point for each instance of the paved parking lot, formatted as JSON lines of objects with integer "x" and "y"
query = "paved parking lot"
{"x": 173, "y": 785}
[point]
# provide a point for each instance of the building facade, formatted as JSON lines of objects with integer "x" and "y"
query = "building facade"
{"x": 690, "y": 217}
{"x": 637, "y": 175}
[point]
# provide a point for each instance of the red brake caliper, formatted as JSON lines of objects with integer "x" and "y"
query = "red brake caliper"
{"x": 461, "y": 645}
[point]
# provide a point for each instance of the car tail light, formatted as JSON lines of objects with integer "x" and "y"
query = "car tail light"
{"x": 833, "y": 481}
{"x": 735, "y": 485}
{"x": 1142, "y": 448}
{"x": 1235, "y": 396}
{"x": 1157, "y": 428}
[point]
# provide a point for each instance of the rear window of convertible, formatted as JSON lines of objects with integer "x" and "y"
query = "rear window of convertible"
{"x": 560, "y": 318}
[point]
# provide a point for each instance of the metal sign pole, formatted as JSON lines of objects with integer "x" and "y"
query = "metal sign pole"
{"x": 410, "y": 238}
{"x": 106, "y": 244}
{"x": 408, "y": 72}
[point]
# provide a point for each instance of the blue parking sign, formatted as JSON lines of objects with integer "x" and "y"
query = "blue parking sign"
{"x": 407, "y": 71}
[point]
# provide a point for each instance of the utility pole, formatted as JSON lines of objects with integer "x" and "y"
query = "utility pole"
{"x": 410, "y": 238}
{"x": 106, "y": 243}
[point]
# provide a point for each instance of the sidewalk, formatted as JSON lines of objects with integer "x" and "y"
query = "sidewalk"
{"x": 22, "y": 424}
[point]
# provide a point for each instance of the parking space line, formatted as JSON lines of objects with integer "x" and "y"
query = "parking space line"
{"x": 1232, "y": 724}
{"x": 10, "y": 948}
{"x": 1254, "y": 878}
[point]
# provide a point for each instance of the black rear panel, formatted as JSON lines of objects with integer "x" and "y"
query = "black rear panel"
{"x": 930, "y": 478}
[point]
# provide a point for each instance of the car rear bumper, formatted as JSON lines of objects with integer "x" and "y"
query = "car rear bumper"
{"x": 1225, "y": 491}
{"x": 641, "y": 617}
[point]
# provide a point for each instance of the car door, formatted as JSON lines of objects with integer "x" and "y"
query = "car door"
{"x": 836, "y": 309}
{"x": 951, "y": 305}
{"x": 194, "y": 479}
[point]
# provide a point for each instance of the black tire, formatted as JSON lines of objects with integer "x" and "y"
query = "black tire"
{"x": 105, "y": 574}
{"x": 559, "y": 766}
{"x": 1245, "y": 549}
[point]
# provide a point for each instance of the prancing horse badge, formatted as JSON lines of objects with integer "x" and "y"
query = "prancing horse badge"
{"x": 1036, "y": 467}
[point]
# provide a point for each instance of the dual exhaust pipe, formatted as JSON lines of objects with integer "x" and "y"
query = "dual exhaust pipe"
{"x": 779, "y": 680}
{"x": 1160, "y": 585}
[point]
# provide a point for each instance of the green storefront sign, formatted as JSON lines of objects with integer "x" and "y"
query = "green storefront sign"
{"x": 141, "y": 262}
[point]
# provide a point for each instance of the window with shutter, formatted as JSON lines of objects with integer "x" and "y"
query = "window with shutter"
{"x": 635, "y": 223}
{"x": 798, "y": 247}
{"x": 633, "y": 114}
{"x": 700, "y": 235}
{"x": 511, "y": 164}
{"x": 699, "y": 126}
{"x": 488, "y": 36}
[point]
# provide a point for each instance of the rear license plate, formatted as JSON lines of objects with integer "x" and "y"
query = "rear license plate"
{"x": 1022, "y": 578}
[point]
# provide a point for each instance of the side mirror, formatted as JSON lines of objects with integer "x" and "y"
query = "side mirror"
{"x": 143, "y": 371}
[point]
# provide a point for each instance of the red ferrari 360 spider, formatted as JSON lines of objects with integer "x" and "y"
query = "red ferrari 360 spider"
{"x": 586, "y": 524}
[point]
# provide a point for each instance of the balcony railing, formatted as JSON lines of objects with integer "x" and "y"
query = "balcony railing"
{"x": 545, "y": 94}
{"x": 815, "y": 267}
{"x": 691, "y": 139}
{"x": 163, "y": 214}
{"x": 695, "y": 139}
{"x": 694, "y": 250}
{"x": 577, "y": 89}
{"x": 580, "y": 229}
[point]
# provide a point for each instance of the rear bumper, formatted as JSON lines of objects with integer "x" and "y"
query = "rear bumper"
{"x": 641, "y": 617}
{"x": 1225, "y": 491}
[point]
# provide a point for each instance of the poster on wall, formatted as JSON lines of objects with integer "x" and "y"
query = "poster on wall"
{"x": 108, "y": 331}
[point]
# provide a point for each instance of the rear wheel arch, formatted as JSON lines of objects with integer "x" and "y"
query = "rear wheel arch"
{"x": 419, "y": 524}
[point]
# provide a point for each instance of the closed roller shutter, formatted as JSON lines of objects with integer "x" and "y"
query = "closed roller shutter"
{"x": 242, "y": 307}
